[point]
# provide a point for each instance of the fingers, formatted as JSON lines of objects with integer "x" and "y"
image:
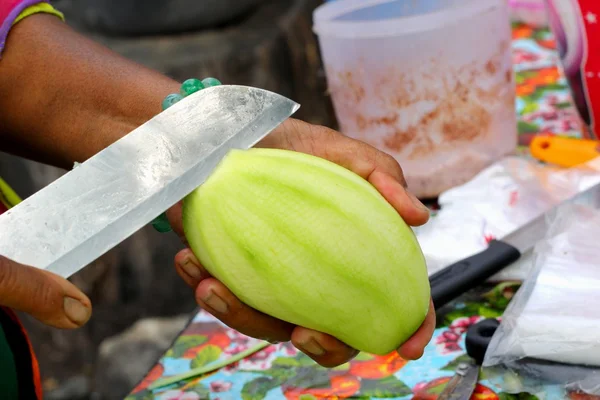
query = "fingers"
{"x": 407, "y": 205}
{"x": 189, "y": 268}
{"x": 361, "y": 158}
{"x": 382, "y": 171}
{"x": 329, "y": 352}
{"x": 47, "y": 297}
{"x": 324, "y": 349}
{"x": 174, "y": 215}
{"x": 215, "y": 298}
{"x": 326, "y": 143}
{"x": 379, "y": 168}
{"x": 415, "y": 346}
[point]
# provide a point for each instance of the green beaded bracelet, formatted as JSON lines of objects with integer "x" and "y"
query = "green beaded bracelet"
{"x": 190, "y": 86}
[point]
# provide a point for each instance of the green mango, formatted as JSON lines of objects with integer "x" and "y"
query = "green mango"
{"x": 307, "y": 241}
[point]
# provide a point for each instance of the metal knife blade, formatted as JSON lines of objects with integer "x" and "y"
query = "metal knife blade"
{"x": 454, "y": 280}
{"x": 94, "y": 207}
{"x": 462, "y": 385}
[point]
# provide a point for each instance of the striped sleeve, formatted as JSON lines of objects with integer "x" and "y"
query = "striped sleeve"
{"x": 8, "y": 197}
{"x": 12, "y": 11}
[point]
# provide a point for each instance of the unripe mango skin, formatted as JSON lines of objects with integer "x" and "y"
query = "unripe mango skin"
{"x": 309, "y": 242}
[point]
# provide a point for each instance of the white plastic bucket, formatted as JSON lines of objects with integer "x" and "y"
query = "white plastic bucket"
{"x": 427, "y": 81}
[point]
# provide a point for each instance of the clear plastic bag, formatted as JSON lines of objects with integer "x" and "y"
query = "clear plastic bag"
{"x": 502, "y": 198}
{"x": 549, "y": 338}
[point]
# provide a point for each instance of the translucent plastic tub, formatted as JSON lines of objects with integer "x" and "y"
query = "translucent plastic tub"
{"x": 427, "y": 81}
{"x": 575, "y": 26}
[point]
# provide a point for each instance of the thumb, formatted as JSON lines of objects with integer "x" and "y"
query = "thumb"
{"x": 42, "y": 294}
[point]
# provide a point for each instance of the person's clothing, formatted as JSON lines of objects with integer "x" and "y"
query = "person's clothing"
{"x": 19, "y": 371}
{"x": 8, "y": 198}
{"x": 13, "y": 11}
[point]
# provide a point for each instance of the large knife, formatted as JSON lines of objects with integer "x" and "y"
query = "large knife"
{"x": 456, "y": 279}
{"x": 82, "y": 215}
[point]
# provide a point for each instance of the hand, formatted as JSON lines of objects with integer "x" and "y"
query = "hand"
{"x": 42, "y": 294}
{"x": 383, "y": 172}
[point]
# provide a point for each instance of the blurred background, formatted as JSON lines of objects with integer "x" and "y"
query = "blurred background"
{"x": 140, "y": 304}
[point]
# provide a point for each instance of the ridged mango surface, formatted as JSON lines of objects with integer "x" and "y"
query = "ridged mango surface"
{"x": 312, "y": 243}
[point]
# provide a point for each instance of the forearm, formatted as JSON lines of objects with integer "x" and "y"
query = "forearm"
{"x": 63, "y": 97}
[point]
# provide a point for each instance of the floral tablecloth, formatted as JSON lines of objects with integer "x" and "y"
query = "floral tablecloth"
{"x": 278, "y": 371}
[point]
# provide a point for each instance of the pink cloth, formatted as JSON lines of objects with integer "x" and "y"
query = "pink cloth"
{"x": 9, "y": 11}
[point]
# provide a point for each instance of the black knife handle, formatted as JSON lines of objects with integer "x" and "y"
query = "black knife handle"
{"x": 478, "y": 338}
{"x": 453, "y": 281}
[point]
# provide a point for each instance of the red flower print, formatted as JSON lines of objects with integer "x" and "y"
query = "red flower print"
{"x": 461, "y": 325}
{"x": 263, "y": 354}
{"x": 448, "y": 342}
{"x": 220, "y": 386}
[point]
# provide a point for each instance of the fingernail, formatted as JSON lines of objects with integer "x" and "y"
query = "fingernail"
{"x": 417, "y": 202}
{"x": 215, "y": 302}
{"x": 312, "y": 347}
{"x": 399, "y": 351}
{"x": 191, "y": 268}
{"x": 76, "y": 311}
{"x": 407, "y": 357}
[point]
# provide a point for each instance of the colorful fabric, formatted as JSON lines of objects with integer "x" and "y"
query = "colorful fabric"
{"x": 45, "y": 8}
{"x": 281, "y": 372}
{"x": 9, "y": 382}
{"x": 544, "y": 106}
{"x": 18, "y": 359}
{"x": 13, "y": 11}
{"x": 8, "y": 197}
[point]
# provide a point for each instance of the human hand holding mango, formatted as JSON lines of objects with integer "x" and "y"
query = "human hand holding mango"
{"x": 407, "y": 318}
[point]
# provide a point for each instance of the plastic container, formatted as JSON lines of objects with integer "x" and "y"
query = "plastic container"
{"x": 427, "y": 81}
{"x": 575, "y": 26}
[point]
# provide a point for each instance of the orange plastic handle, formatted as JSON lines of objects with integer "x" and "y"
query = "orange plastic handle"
{"x": 564, "y": 152}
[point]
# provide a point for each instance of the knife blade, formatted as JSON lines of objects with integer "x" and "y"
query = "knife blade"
{"x": 462, "y": 385}
{"x": 454, "y": 280}
{"x": 89, "y": 210}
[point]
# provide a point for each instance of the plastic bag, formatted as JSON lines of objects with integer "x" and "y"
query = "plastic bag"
{"x": 497, "y": 201}
{"x": 550, "y": 333}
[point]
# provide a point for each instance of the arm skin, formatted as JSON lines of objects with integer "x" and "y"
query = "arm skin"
{"x": 64, "y": 98}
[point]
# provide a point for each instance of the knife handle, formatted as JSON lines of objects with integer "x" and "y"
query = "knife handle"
{"x": 458, "y": 278}
{"x": 478, "y": 338}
